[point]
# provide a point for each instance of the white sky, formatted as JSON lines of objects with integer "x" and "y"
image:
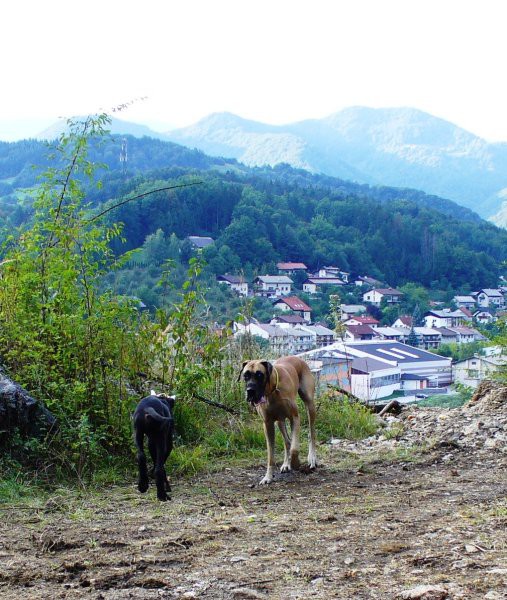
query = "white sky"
{"x": 275, "y": 61}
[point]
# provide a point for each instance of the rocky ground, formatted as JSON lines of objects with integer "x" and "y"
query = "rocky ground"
{"x": 417, "y": 511}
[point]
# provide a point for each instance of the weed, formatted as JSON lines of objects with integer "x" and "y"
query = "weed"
{"x": 394, "y": 432}
{"x": 341, "y": 418}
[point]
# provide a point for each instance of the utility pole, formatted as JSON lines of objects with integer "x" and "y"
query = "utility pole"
{"x": 124, "y": 156}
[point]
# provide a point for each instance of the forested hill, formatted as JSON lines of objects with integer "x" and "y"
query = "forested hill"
{"x": 21, "y": 163}
{"x": 262, "y": 215}
{"x": 257, "y": 221}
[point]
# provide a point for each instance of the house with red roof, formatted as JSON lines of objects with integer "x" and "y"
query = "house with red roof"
{"x": 289, "y": 268}
{"x": 404, "y": 321}
{"x": 468, "y": 314}
{"x": 359, "y": 332}
{"x": 296, "y": 305}
{"x": 363, "y": 320}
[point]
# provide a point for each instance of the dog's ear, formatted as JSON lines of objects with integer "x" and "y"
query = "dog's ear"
{"x": 170, "y": 401}
{"x": 269, "y": 369}
{"x": 245, "y": 362}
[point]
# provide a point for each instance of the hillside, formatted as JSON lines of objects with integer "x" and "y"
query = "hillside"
{"x": 400, "y": 147}
{"x": 257, "y": 221}
{"x": 21, "y": 163}
{"x": 259, "y": 216}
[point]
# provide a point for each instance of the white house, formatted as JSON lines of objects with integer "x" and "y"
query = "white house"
{"x": 280, "y": 341}
{"x": 403, "y": 322}
{"x": 472, "y": 371}
{"x": 334, "y": 272}
{"x": 391, "y": 333}
{"x": 323, "y": 335}
{"x": 413, "y": 382}
{"x": 235, "y": 282}
{"x": 448, "y": 335}
{"x": 271, "y": 286}
{"x": 490, "y": 298}
{"x": 313, "y": 284}
{"x": 301, "y": 339}
{"x": 466, "y": 335}
{"x": 484, "y": 317}
{"x": 464, "y": 302}
{"x": 375, "y": 296}
{"x": 428, "y": 337}
{"x": 444, "y": 318}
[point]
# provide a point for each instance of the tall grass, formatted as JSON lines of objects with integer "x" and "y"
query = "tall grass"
{"x": 339, "y": 417}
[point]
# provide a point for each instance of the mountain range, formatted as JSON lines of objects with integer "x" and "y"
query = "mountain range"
{"x": 401, "y": 147}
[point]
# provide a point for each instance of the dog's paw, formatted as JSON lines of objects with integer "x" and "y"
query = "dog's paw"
{"x": 312, "y": 463}
{"x": 265, "y": 480}
{"x": 142, "y": 486}
{"x": 285, "y": 468}
{"x": 163, "y": 497}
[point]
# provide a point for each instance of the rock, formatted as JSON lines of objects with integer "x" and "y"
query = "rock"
{"x": 237, "y": 559}
{"x": 480, "y": 425}
{"x": 426, "y": 592}
{"x": 18, "y": 410}
{"x": 245, "y": 592}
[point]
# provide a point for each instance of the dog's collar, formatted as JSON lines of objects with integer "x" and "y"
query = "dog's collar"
{"x": 277, "y": 378}
{"x": 277, "y": 381}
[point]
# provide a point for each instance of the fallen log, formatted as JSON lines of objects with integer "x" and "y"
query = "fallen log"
{"x": 349, "y": 395}
{"x": 394, "y": 406}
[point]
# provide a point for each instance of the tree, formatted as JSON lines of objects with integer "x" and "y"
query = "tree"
{"x": 75, "y": 348}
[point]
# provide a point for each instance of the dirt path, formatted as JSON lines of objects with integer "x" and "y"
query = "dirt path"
{"x": 358, "y": 527}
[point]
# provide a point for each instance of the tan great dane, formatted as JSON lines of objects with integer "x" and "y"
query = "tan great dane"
{"x": 272, "y": 388}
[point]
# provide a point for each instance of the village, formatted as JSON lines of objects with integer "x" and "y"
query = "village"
{"x": 359, "y": 355}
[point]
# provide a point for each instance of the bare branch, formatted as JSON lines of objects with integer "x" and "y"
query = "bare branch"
{"x": 171, "y": 187}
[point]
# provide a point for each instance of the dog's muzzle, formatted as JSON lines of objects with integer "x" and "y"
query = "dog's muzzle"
{"x": 254, "y": 396}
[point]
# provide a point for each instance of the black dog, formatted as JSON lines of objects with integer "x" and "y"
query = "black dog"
{"x": 153, "y": 417}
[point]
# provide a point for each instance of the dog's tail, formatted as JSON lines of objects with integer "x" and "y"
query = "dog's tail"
{"x": 151, "y": 412}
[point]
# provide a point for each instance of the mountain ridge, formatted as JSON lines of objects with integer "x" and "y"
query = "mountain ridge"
{"x": 401, "y": 147}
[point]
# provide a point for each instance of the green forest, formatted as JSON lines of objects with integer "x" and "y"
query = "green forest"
{"x": 260, "y": 216}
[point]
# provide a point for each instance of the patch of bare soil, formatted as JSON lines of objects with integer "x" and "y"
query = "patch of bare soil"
{"x": 418, "y": 511}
